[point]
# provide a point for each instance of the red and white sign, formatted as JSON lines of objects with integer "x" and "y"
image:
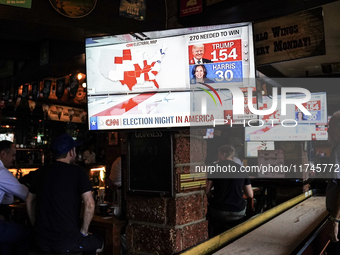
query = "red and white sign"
{"x": 189, "y": 7}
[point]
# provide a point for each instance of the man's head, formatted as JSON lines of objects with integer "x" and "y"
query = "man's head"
{"x": 334, "y": 128}
{"x": 63, "y": 147}
{"x": 226, "y": 152}
{"x": 198, "y": 51}
{"x": 7, "y": 153}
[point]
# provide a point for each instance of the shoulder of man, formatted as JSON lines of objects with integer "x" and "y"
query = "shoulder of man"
{"x": 5, "y": 173}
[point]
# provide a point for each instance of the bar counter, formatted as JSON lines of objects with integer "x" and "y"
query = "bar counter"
{"x": 284, "y": 233}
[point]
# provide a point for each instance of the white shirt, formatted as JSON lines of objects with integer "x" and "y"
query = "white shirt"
{"x": 196, "y": 61}
{"x": 10, "y": 186}
{"x": 116, "y": 172}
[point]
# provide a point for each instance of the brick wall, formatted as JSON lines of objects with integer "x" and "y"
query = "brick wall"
{"x": 168, "y": 225}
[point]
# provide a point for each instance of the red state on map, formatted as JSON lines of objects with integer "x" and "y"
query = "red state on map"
{"x": 130, "y": 77}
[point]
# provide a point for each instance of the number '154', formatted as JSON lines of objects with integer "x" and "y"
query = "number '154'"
{"x": 223, "y": 55}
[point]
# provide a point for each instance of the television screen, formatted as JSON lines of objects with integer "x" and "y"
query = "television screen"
{"x": 158, "y": 79}
{"x": 252, "y": 148}
{"x": 321, "y": 131}
{"x": 209, "y": 133}
{"x": 301, "y": 132}
{"x": 317, "y": 106}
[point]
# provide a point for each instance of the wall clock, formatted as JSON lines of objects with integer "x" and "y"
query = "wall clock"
{"x": 74, "y": 8}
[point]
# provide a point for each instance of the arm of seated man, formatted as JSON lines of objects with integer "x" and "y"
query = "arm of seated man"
{"x": 30, "y": 206}
{"x": 89, "y": 207}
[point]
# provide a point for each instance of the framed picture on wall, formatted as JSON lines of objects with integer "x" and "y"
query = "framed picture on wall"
{"x": 113, "y": 138}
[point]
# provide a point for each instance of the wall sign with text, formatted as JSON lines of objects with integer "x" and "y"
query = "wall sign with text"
{"x": 298, "y": 35}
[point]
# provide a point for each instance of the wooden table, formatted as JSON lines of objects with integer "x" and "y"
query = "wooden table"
{"x": 108, "y": 227}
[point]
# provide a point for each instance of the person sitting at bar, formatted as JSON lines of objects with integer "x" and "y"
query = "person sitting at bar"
{"x": 89, "y": 156}
{"x": 226, "y": 202}
{"x": 13, "y": 236}
{"x": 54, "y": 203}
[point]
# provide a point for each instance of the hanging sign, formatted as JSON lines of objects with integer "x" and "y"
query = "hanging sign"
{"x": 18, "y": 3}
{"x": 298, "y": 35}
{"x": 189, "y": 7}
{"x": 133, "y": 9}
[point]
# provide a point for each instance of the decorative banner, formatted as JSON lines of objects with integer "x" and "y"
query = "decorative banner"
{"x": 15, "y": 93}
{"x": 45, "y": 108}
{"x": 31, "y": 105}
{"x": 189, "y": 7}
{"x": 17, "y": 3}
{"x": 47, "y": 88}
{"x": 24, "y": 95}
{"x": 74, "y": 84}
{"x": 135, "y": 10}
{"x": 298, "y": 35}
{"x": 35, "y": 90}
{"x": 65, "y": 113}
{"x": 74, "y": 8}
{"x": 60, "y": 88}
{"x": 17, "y": 103}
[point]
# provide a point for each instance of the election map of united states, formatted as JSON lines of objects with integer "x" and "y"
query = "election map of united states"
{"x": 132, "y": 67}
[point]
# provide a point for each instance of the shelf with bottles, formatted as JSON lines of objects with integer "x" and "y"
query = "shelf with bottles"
{"x": 29, "y": 157}
{"x": 27, "y": 160}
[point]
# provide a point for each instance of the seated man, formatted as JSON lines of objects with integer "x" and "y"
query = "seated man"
{"x": 226, "y": 203}
{"x": 12, "y": 235}
{"x": 54, "y": 202}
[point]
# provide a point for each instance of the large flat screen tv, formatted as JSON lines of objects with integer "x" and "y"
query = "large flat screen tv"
{"x": 251, "y": 148}
{"x": 317, "y": 106}
{"x": 154, "y": 79}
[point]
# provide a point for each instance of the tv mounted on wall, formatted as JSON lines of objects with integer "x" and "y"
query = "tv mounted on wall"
{"x": 151, "y": 79}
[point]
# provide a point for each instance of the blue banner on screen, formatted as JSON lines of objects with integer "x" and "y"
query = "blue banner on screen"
{"x": 93, "y": 123}
{"x": 218, "y": 73}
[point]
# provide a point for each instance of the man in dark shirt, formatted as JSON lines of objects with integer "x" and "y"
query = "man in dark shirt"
{"x": 54, "y": 202}
{"x": 226, "y": 202}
